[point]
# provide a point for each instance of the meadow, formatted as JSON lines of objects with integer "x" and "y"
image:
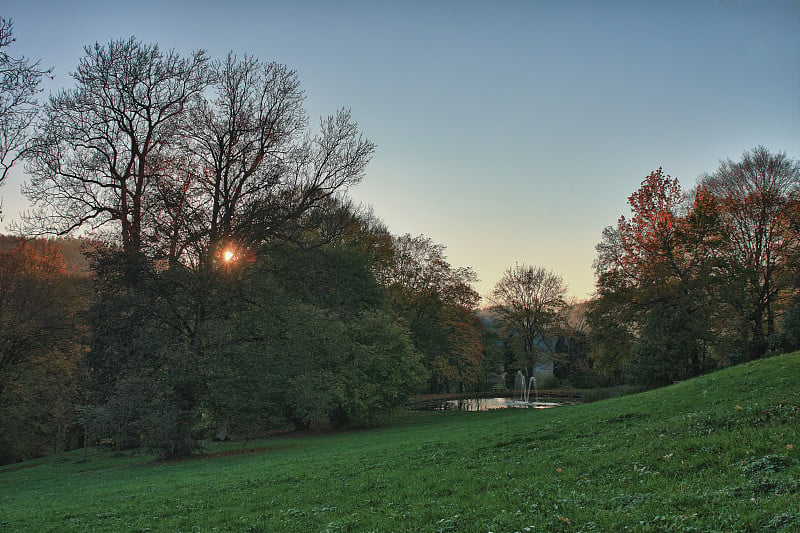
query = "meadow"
{"x": 720, "y": 452}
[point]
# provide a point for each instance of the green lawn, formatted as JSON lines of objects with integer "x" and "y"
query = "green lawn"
{"x": 717, "y": 453}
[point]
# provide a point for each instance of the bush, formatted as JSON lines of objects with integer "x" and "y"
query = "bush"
{"x": 381, "y": 370}
{"x": 169, "y": 427}
{"x": 348, "y": 372}
{"x": 789, "y": 337}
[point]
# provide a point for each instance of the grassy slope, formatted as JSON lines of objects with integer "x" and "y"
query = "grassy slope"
{"x": 716, "y": 453}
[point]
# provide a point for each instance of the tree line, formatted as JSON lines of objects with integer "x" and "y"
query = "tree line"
{"x": 231, "y": 284}
{"x": 97, "y": 349}
{"x": 690, "y": 281}
{"x": 697, "y": 279}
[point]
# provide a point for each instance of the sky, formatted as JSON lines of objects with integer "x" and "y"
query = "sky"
{"x": 511, "y": 132}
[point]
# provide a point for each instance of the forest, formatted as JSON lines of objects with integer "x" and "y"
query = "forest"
{"x": 193, "y": 268}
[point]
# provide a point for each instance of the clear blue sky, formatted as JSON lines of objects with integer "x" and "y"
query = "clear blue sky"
{"x": 509, "y": 131}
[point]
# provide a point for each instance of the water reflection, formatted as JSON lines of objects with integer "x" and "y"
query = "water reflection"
{"x": 485, "y": 404}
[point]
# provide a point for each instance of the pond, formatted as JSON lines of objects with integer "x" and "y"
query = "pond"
{"x": 484, "y": 404}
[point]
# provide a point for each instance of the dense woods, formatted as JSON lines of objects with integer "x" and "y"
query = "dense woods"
{"x": 207, "y": 276}
{"x": 232, "y": 286}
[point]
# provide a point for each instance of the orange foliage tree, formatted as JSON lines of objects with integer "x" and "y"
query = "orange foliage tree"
{"x": 759, "y": 201}
{"x": 658, "y": 280}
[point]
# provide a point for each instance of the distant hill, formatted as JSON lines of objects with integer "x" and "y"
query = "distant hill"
{"x": 73, "y": 250}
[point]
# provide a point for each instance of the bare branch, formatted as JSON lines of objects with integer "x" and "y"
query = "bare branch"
{"x": 19, "y": 84}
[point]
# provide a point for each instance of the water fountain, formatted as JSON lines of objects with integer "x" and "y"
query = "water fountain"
{"x": 525, "y": 387}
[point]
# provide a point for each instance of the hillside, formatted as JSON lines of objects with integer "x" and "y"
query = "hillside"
{"x": 716, "y": 453}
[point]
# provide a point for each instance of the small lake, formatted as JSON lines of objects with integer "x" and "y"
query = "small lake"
{"x": 485, "y": 404}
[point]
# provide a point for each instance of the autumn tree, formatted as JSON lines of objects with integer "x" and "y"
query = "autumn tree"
{"x": 527, "y": 301}
{"x": 19, "y": 84}
{"x": 758, "y": 197}
{"x": 438, "y": 302}
{"x": 658, "y": 282}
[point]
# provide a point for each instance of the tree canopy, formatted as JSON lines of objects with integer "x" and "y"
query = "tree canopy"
{"x": 699, "y": 278}
{"x": 527, "y": 301}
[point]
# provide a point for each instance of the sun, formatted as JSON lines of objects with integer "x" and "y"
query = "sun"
{"x": 227, "y": 255}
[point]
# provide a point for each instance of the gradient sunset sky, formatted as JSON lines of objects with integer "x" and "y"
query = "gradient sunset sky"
{"x": 508, "y": 131}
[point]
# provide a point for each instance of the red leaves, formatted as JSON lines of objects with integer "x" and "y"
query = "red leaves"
{"x": 654, "y": 205}
{"x": 667, "y": 242}
{"x": 32, "y": 259}
{"x": 654, "y": 222}
{"x": 665, "y": 238}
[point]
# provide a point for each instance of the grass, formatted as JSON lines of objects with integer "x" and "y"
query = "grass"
{"x": 717, "y": 453}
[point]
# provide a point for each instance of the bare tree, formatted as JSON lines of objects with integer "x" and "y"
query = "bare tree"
{"x": 258, "y": 171}
{"x": 238, "y": 139}
{"x": 101, "y": 145}
{"x": 19, "y": 85}
{"x": 759, "y": 196}
{"x": 527, "y": 301}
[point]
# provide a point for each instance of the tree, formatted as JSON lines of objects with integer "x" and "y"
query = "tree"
{"x": 29, "y": 271}
{"x": 248, "y": 170}
{"x": 238, "y": 141}
{"x": 789, "y": 338}
{"x": 438, "y": 302}
{"x": 136, "y": 356}
{"x": 312, "y": 342}
{"x": 421, "y": 267}
{"x": 613, "y": 328}
{"x": 186, "y": 157}
{"x": 571, "y": 358}
{"x": 759, "y": 198}
{"x": 262, "y": 180}
{"x": 205, "y": 169}
{"x": 42, "y": 344}
{"x": 527, "y": 301}
{"x": 101, "y": 146}
{"x": 649, "y": 239}
{"x": 19, "y": 85}
{"x": 663, "y": 262}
